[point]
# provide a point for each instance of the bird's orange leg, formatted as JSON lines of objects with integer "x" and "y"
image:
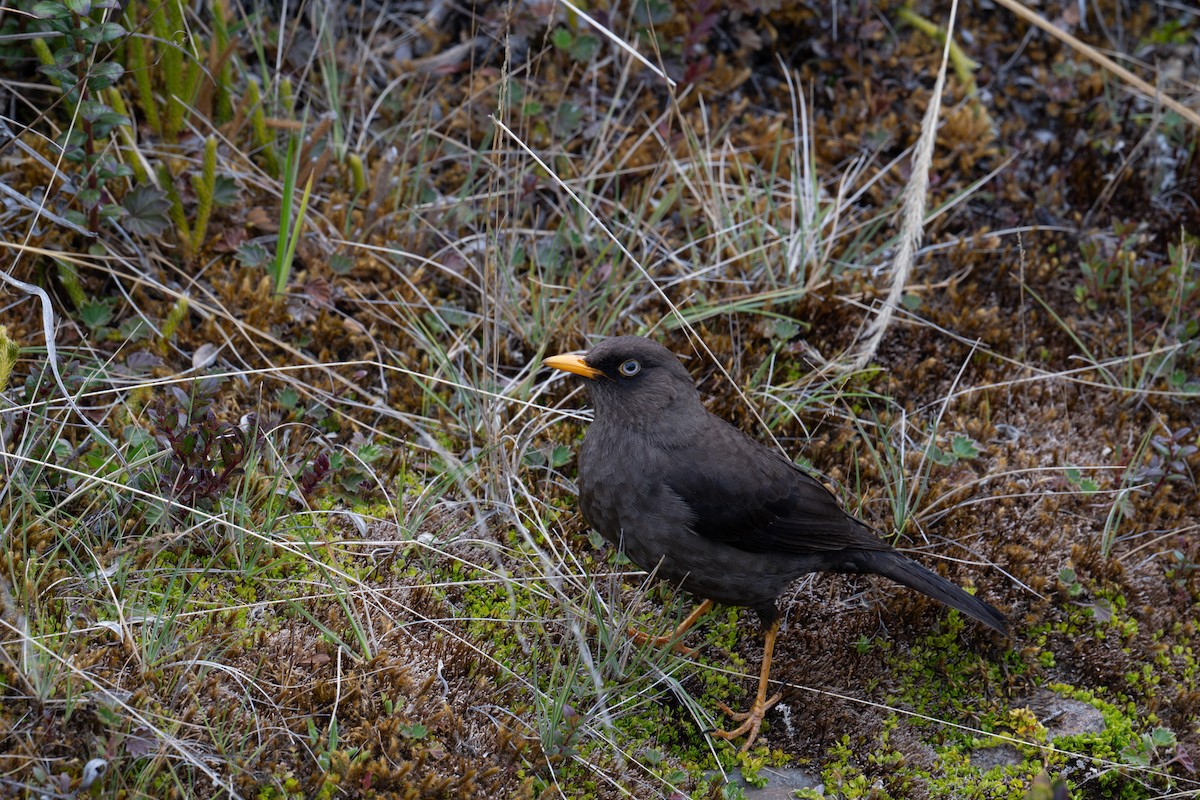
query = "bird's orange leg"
{"x": 641, "y": 637}
{"x": 752, "y": 720}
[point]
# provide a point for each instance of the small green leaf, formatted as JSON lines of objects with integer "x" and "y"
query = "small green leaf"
{"x": 940, "y": 457}
{"x": 560, "y": 456}
{"x": 1162, "y": 737}
{"x": 112, "y": 119}
{"x": 57, "y": 74}
{"x": 226, "y": 191}
{"x": 88, "y": 197}
{"x": 351, "y": 483}
{"x": 561, "y": 38}
{"x": 104, "y": 32}
{"x": 49, "y": 9}
{"x": 568, "y": 118}
{"x": 1076, "y": 479}
{"x": 253, "y": 254}
{"x": 108, "y": 169}
{"x": 370, "y": 452}
{"x": 147, "y": 209}
{"x": 134, "y": 329}
{"x": 67, "y": 57}
{"x": 340, "y": 263}
{"x": 92, "y": 109}
{"x": 584, "y": 47}
{"x": 288, "y": 398}
{"x": 964, "y": 447}
{"x": 72, "y": 138}
{"x": 104, "y": 75}
{"x": 653, "y": 12}
{"x": 416, "y": 730}
{"x": 96, "y": 313}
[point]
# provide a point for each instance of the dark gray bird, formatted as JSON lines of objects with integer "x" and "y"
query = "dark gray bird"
{"x": 730, "y": 520}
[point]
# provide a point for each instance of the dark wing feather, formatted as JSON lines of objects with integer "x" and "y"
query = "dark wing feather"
{"x": 752, "y": 498}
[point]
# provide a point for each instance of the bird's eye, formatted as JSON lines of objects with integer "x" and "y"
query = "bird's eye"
{"x": 630, "y": 368}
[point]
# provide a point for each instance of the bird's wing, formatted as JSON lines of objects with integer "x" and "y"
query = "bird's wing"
{"x": 750, "y": 497}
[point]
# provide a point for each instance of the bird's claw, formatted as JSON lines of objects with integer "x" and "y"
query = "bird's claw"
{"x": 751, "y": 720}
{"x": 641, "y": 638}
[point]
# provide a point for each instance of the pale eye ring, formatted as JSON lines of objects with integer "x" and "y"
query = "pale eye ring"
{"x": 630, "y": 367}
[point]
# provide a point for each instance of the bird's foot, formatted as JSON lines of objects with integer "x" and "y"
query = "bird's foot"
{"x": 641, "y": 638}
{"x": 675, "y": 640}
{"x": 751, "y": 720}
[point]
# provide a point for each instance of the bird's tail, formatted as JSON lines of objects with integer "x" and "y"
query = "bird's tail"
{"x": 904, "y": 570}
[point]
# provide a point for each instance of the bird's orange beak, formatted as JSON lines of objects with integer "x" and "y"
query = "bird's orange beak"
{"x": 570, "y": 362}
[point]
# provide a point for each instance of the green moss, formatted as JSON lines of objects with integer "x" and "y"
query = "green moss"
{"x": 939, "y": 677}
{"x": 648, "y": 700}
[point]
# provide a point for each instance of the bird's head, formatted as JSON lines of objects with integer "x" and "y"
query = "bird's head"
{"x": 631, "y": 380}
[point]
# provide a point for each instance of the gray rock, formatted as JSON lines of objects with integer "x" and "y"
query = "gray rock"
{"x": 782, "y": 783}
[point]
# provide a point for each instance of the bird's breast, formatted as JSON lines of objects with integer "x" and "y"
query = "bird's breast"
{"x": 622, "y": 491}
{"x": 625, "y": 495}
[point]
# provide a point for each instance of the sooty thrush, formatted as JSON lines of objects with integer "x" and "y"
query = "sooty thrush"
{"x": 730, "y": 520}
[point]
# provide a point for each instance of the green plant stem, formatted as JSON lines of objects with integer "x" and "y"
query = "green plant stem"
{"x": 205, "y": 185}
{"x": 182, "y": 231}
